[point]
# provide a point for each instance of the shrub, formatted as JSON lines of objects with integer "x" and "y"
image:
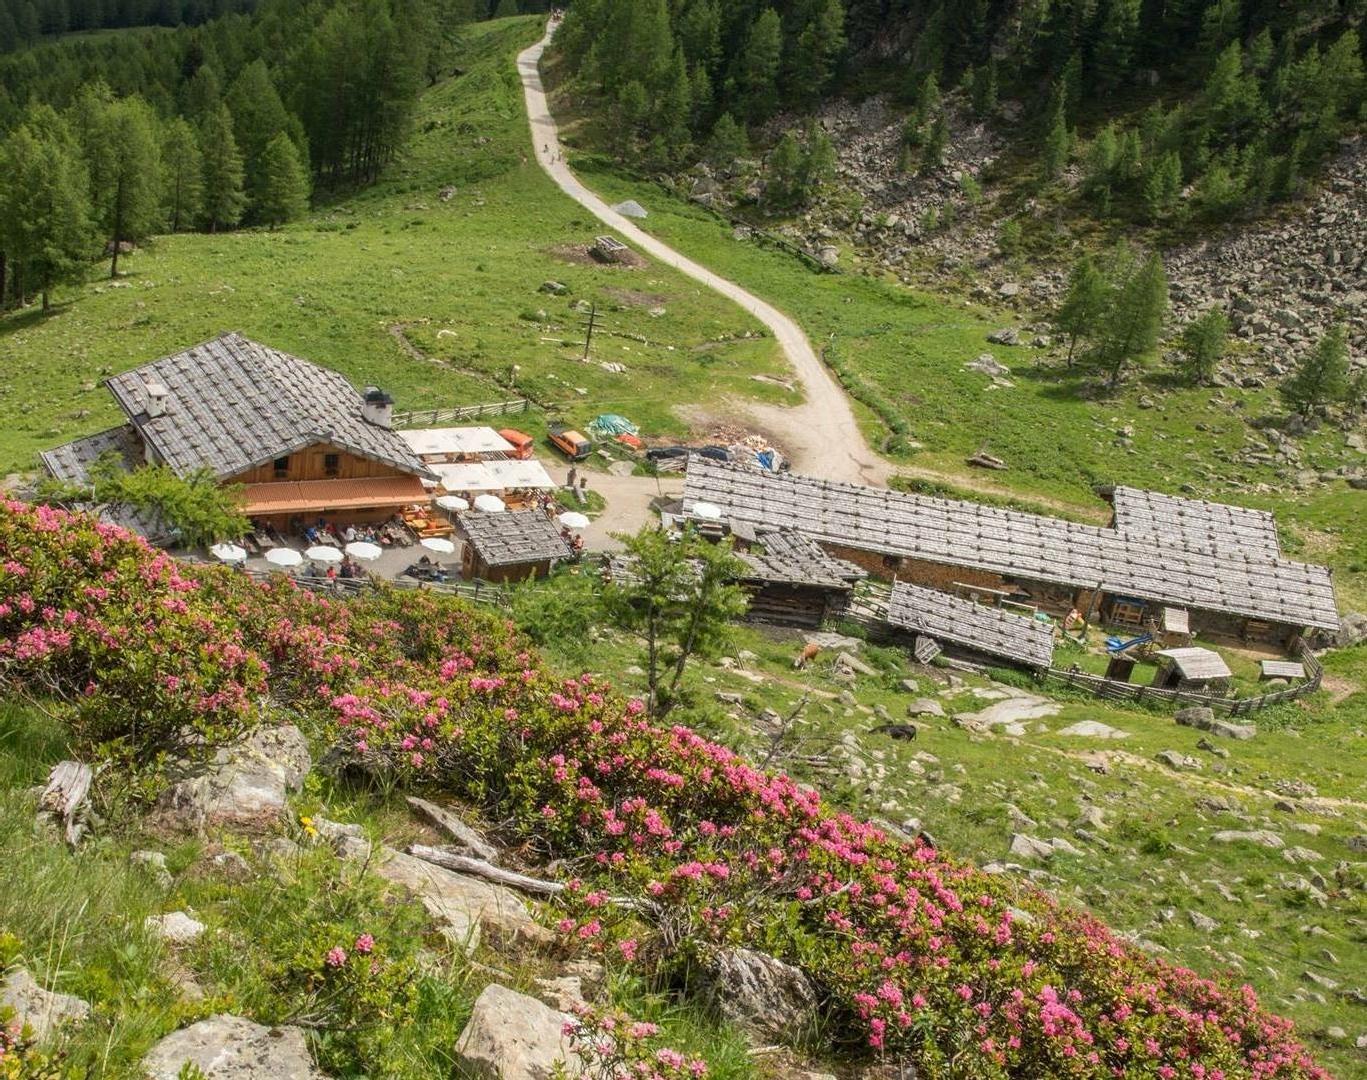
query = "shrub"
{"x": 914, "y": 954}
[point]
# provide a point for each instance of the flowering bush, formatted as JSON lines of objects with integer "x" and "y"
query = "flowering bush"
{"x": 914, "y": 954}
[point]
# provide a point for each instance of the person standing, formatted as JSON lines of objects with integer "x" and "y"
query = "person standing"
{"x": 574, "y": 474}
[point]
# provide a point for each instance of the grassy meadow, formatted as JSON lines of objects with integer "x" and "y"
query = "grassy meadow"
{"x": 457, "y": 276}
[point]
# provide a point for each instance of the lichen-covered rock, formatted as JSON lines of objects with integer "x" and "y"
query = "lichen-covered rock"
{"x": 762, "y": 995}
{"x": 42, "y": 1010}
{"x": 466, "y": 908}
{"x": 232, "y": 1048}
{"x": 1203, "y": 718}
{"x": 175, "y": 928}
{"x": 511, "y": 1036}
{"x": 243, "y": 785}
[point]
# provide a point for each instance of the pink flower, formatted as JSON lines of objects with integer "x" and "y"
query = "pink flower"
{"x": 364, "y": 944}
{"x": 336, "y": 957}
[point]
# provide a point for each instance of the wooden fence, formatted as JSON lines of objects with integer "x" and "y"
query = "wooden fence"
{"x": 1115, "y": 690}
{"x": 434, "y": 417}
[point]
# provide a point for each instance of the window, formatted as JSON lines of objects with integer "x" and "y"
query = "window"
{"x": 891, "y": 562}
{"x": 332, "y": 464}
{"x": 282, "y": 467}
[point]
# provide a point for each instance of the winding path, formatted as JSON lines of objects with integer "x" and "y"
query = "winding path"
{"x": 820, "y": 436}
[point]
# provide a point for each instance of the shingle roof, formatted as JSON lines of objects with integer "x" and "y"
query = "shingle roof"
{"x": 962, "y": 622}
{"x": 235, "y": 404}
{"x": 1195, "y": 522}
{"x": 789, "y": 558}
{"x": 1018, "y": 545}
{"x": 516, "y": 536}
{"x": 71, "y": 461}
{"x": 1195, "y": 662}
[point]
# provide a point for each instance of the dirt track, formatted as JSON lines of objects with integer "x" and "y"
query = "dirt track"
{"x": 820, "y": 435}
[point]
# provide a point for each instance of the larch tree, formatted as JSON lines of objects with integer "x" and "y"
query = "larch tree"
{"x": 1203, "y": 345}
{"x": 224, "y": 199}
{"x": 819, "y": 49}
{"x": 1321, "y": 378}
{"x": 757, "y": 67}
{"x": 258, "y": 117}
{"x": 1084, "y": 305}
{"x": 727, "y": 143}
{"x": 182, "y": 170}
{"x": 45, "y": 218}
{"x": 1135, "y": 321}
{"x": 126, "y": 187}
{"x": 284, "y": 186}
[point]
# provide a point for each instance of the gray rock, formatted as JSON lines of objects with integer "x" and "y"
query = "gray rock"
{"x": 1203, "y": 922}
{"x": 175, "y": 927}
{"x": 1094, "y": 729}
{"x": 925, "y": 707}
{"x": 233, "y": 1048}
{"x": 465, "y": 907}
{"x": 1175, "y": 760}
{"x": 40, "y": 1009}
{"x": 154, "y": 864}
{"x": 854, "y": 664}
{"x": 632, "y": 209}
{"x": 1203, "y": 719}
{"x": 243, "y": 785}
{"x": 1261, "y": 837}
{"x": 348, "y": 840}
{"x": 1301, "y": 855}
{"x": 512, "y": 1036}
{"x": 1007, "y": 335}
{"x": 231, "y": 865}
{"x": 1027, "y": 847}
{"x": 765, "y": 997}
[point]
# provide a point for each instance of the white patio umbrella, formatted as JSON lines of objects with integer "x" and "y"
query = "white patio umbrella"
{"x": 707, "y": 511}
{"x": 452, "y": 502}
{"x": 284, "y": 557}
{"x": 361, "y": 549}
{"x": 228, "y": 553}
{"x": 323, "y": 553}
{"x": 490, "y": 504}
{"x": 573, "y": 519}
{"x": 437, "y": 544}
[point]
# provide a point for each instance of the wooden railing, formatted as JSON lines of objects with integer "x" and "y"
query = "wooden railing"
{"x": 1114, "y": 690}
{"x": 433, "y": 417}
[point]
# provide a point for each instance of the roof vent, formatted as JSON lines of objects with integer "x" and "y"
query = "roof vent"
{"x": 157, "y": 399}
{"x": 378, "y": 408}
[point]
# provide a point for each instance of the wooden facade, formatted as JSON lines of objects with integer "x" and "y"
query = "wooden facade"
{"x": 321, "y": 461}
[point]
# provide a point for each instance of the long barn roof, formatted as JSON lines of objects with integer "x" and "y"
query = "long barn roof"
{"x": 963, "y": 622}
{"x": 1171, "y": 568}
{"x": 1203, "y": 524}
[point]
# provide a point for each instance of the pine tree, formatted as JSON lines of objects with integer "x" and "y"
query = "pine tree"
{"x": 757, "y": 67}
{"x": 1057, "y": 143}
{"x": 224, "y": 199}
{"x": 983, "y": 88}
{"x": 1321, "y": 378}
{"x": 818, "y": 166}
{"x": 929, "y": 101}
{"x": 1113, "y": 56}
{"x": 258, "y": 117}
{"x": 182, "y": 175}
{"x": 783, "y": 186}
{"x": 284, "y": 183}
{"x": 674, "y": 111}
{"x": 1204, "y": 341}
{"x": 45, "y": 215}
{"x": 727, "y": 144}
{"x": 125, "y": 153}
{"x": 1084, "y": 305}
{"x": 933, "y": 152}
{"x": 506, "y": 9}
{"x": 1163, "y": 185}
{"x": 820, "y": 47}
{"x": 1135, "y": 321}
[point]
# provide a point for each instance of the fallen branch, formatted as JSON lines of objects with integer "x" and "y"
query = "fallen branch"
{"x": 465, "y": 864}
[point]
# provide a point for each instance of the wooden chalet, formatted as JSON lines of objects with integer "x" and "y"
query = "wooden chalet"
{"x": 966, "y": 626}
{"x": 299, "y": 439}
{"x": 793, "y": 581}
{"x": 510, "y": 546}
{"x": 1048, "y": 563}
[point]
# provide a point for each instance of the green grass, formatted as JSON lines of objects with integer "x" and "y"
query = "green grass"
{"x": 460, "y": 277}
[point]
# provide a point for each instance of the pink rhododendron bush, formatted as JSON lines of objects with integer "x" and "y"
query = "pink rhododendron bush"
{"x": 914, "y": 955}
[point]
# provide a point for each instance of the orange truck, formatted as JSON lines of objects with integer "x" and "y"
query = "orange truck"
{"x": 569, "y": 442}
{"x": 523, "y": 445}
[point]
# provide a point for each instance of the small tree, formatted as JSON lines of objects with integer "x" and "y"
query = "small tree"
{"x": 284, "y": 185}
{"x": 1204, "y": 341}
{"x": 1135, "y": 321}
{"x": 783, "y": 187}
{"x": 933, "y": 153}
{"x": 1057, "y": 143}
{"x": 727, "y": 143}
{"x": 681, "y": 598}
{"x": 1321, "y": 378}
{"x": 818, "y": 166}
{"x": 224, "y": 199}
{"x": 182, "y": 175}
{"x": 1163, "y": 184}
{"x": 126, "y": 152}
{"x": 1084, "y": 305}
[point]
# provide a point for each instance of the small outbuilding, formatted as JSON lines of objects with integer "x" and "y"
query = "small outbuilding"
{"x": 792, "y": 581}
{"x": 970, "y": 627}
{"x": 1191, "y": 668}
{"x": 511, "y": 546}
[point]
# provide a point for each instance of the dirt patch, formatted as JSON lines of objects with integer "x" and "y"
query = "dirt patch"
{"x": 635, "y": 298}
{"x": 585, "y": 255}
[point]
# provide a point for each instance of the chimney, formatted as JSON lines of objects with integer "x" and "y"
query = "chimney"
{"x": 157, "y": 396}
{"x": 378, "y": 408}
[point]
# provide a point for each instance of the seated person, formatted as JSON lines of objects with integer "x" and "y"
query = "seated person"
{"x": 311, "y": 534}
{"x": 350, "y": 534}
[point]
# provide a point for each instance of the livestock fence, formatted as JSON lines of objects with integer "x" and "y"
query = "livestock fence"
{"x": 1115, "y": 690}
{"x": 433, "y": 417}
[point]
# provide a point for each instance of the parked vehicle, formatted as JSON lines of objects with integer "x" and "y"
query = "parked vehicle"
{"x": 664, "y": 453}
{"x": 569, "y": 442}
{"x": 524, "y": 446}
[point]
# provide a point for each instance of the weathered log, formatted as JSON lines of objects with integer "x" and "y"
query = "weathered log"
{"x": 68, "y": 787}
{"x": 466, "y": 864}
{"x": 466, "y": 839}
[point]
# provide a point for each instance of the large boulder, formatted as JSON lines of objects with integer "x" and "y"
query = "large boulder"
{"x": 41, "y": 1010}
{"x": 465, "y": 908}
{"x": 232, "y": 1048}
{"x": 762, "y": 995}
{"x": 243, "y": 785}
{"x": 511, "y": 1036}
{"x": 1261, "y": 837}
{"x": 1352, "y": 630}
{"x": 1202, "y": 718}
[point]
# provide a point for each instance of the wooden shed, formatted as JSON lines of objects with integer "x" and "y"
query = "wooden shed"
{"x": 511, "y": 546}
{"x": 792, "y": 581}
{"x": 987, "y": 631}
{"x": 1191, "y": 668}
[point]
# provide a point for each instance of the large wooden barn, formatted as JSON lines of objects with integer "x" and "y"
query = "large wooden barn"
{"x": 1160, "y": 552}
{"x": 300, "y": 439}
